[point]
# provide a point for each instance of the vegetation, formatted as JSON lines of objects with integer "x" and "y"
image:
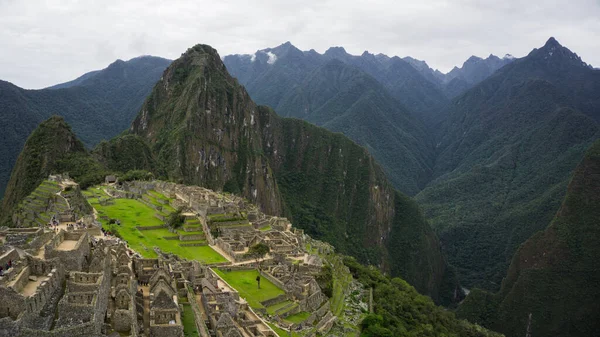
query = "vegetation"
{"x": 52, "y": 148}
{"x": 136, "y": 175}
{"x": 175, "y": 219}
{"x": 554, "y": 275}
{"x": 298, "y": 318}
{"x": 401, "y": 311}
{"x": 98, "y": 105}
{"x": 258, "y": 251}
{"x": 506, "y": 153}
{"x": 244, "y": 281}
{"x": 132, "y": 213}
{"x": 189, "y": 322}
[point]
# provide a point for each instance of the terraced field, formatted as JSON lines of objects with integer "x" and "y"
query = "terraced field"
{"x": 244, "y": 281}
{"x": 134, "y": 215}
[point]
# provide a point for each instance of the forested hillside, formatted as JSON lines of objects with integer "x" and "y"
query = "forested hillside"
{"x": 554, "y": 276}
{"x": 505, "y": 155}
{"x": 98, "y": 105}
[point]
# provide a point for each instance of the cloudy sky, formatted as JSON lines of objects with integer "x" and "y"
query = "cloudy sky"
{"x": 48, "y": 42}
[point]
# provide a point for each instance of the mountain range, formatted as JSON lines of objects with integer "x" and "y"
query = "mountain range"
{"x": 387, "y": 104}
{"x": 471, "y": 157}
{"x": 98, "y": 105}
{"x": 489, "y": 151}
{"x": 199, "y": 126}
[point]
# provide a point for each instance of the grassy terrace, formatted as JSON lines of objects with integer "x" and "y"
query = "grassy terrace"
{"x": 298, "y": 318}
{"x": 272, "y": 309}
{"x": 160, "y": 200}
{"x": 133, "y": 213}
{"x": 244, "y": 281}
{"x": 189, "y": 322}
{"x": 283, "y": 333}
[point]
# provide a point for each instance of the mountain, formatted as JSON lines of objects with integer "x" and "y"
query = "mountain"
{"x": 51, "y": 148}
{"x": 458, "y": 80}
{"x": 401, "y": 79}
{"x": 473, "y": 71}
{"x": 98, "y": 105}
{"x": 553, "y": 279}
{"x": 342, "y": 98}
{"x": 505, "y": 155}
{"x": 397, "y": 307}
{"x": 202, "y": 128}
{"x": 365, "y": 97}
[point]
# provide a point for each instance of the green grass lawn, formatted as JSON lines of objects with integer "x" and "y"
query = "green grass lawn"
{"x": 244, "y": 281}
{"x": 133, "y": 213}
{"x": 283, "y": 333}
{"x": 271, "y": 310}
{"x": 188, "y": 321}
{"x": 130, "y": 212}
{"x": 298, "y": 318}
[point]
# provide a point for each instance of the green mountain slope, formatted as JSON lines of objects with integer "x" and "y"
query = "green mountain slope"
{"x": 98, "y": 106}
{"x": 554, "y": 276}
{"x": 505, "y": 154}
{"x": 401, "y": 311}
{"x": 51, "y": 148}
{"x": 344, "y": 99}
{"x": 202, "y": 128}
{"x": 363, "y": 97}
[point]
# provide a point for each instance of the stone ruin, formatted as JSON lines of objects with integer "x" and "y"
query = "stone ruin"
{"x": 78, "y": 283}
{"x": 228, "y": 314}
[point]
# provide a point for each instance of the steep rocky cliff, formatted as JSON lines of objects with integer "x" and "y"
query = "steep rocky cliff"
{"x": 203, "y": 128}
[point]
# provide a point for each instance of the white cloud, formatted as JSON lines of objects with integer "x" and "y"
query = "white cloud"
{"x": 272, "y": 58}
{"x": 47, "y": 42}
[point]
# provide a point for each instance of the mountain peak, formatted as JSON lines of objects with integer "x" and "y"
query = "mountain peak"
{"x": 45, "y": 149}
{"x": 473, "y": 59}
{"x": 552, "y": 43}
{"x": 336, "y": 52}
{"x": 554, "y": 53}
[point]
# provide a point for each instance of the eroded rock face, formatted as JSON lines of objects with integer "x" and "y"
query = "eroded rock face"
{"x": 203, "y": 128}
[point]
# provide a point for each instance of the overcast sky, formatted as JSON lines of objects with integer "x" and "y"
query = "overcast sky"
{"x": 48, "y": 42}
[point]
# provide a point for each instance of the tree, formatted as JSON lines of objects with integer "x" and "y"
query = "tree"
{"x": 257, "y": 252}
{"x": 176, "y": 219}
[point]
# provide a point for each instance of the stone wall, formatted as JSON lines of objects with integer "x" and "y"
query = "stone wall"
{"x": 166, "y": 330}
{"x": 39, "y": 241}
{"x": 71, "y": 259}
{"x": 89, "y": 329}
{"x": 12, "y": 304}
{"x": 85, "y": 306}
{"x": 191, "y": 237}
{"x": 272, "y": 279}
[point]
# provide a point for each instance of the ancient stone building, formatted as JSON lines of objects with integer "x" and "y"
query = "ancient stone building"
{"x": 228, "y": 314}
{"x": 165, "y": 316}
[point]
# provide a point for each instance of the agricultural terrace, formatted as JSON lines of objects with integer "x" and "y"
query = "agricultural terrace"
{"x": 133, "y": 213}
{"x": 244, "y": 281}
